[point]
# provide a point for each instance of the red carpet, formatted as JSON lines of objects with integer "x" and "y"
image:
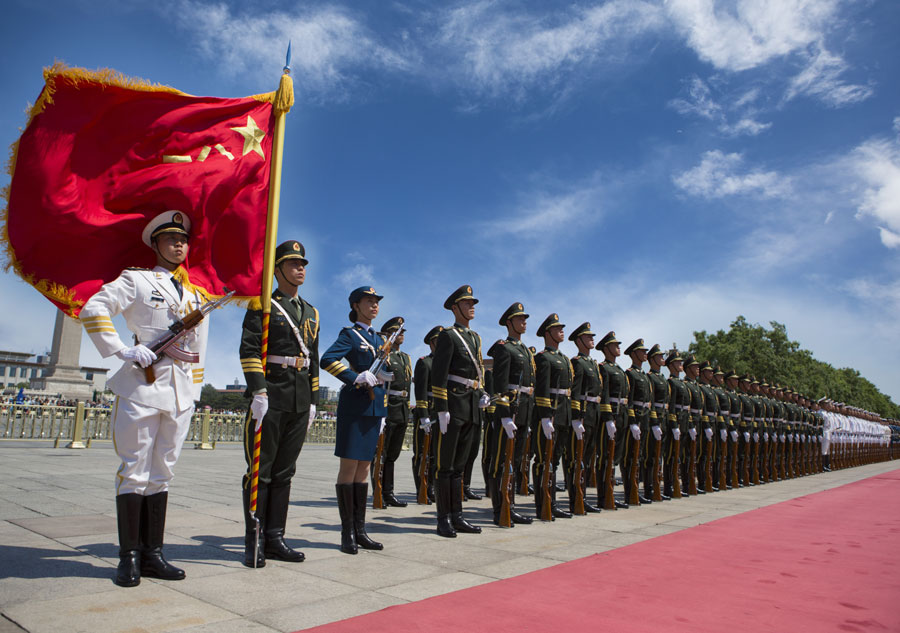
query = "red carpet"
{"x": 829, "y": 561}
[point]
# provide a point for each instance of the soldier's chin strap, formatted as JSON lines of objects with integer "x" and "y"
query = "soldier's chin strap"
{"x": 285, "y": 279}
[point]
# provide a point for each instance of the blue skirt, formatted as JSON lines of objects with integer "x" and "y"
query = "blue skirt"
{"x": 356, "y": 437}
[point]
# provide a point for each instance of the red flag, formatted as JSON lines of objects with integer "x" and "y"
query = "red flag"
{"x": 103, "y": 154}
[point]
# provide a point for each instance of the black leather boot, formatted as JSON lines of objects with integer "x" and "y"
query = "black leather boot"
{"x": 444, "y": 507}
{"x": 456, "y": 517}
{"x": 262, "y": 495}
{"x": 360, "y": 496}
{"x": 555, "y": 510}
{"x": 276, "y": 519}
{"x": 388, "y": 492}
{"x": 153, "y": 526}
{"x": 128, "y": 518}
{"x": 516, "y": 517}
{"x": 344, "y": 494}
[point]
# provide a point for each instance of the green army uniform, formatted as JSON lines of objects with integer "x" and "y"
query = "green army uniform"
{"x": 640, "y": 396}
{"x": 746, "y": 430}
{"x": 735, "y": 410}
{"x": 457, "y": 377}
{"x": 764, "y": 444}
{"x": 425, "y": 416}
{"x": 676, "y": 428}
{"x": 759, "y": 412}
{"x": 552, "y": 391}
{"x": 723, "y": 418}
{"x": 615, "y": 399}
{"x": 696, "y": 427}
{"x": 291, "y": 382}
{"x": 705, "y": 473}
{"x": 659, "y": 400}
{"x": 514, "y": 373}
{"x": 397, "y": 418}
{"x": 587, "y": 392}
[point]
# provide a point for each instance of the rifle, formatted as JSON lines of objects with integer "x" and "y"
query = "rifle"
{"x": 579, "y": 475}
{"x": 676, "y": 469}
{"x": 422, "y": 498}
{"x": 506, "y": 483}
{"x": 734, "y": 465}
{"x": 657, "y": 490}
{"x": 377, "y": 496}
{"x": 633, "y": 470}
{"x": 723, "y": 462}
{"x": 692, "y": 469}
{"x": 609, "y": 479}
{"x": 546, "y": 499}
{"x": 377, "y": 368}
{"x": 167, "y": 342}
{"x": 755, "y": 461}
{"x": 526, "y": 459}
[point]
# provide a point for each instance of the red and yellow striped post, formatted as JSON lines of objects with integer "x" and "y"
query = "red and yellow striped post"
{"x": 284, "y": 99}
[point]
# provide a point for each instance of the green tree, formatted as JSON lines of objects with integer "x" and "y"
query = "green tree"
{"x": 210, "y": 396}
{"x": 771, "y": 355}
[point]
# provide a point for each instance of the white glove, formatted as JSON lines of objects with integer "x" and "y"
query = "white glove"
{"x": 708, "y": 434}
{"x": 381, "y": 428}
{"x": 258, "y": 406}
{"x": 312, "y": 416}
{"x": 791, "y": 437}
{"x": 783, "y": 438}
{"x": 766, "y": 436}
{"x": 141, "y": 354}
{"x": 578, "y": 427}
{"x": 611, "y": 429}
{"x": 693, "y": 434}
{"x": 509, "y": 426}
{"x": 484, "y": 401}
{"x": 547, "y": 427}
{"x": 425, "y": 424}
{"x": 755, "y": 437}
{"x": 734, "y": 436}
{"x": 746, "y": 436}
{"x": 676, "y": 433}
{"x": 657, "y": 432}
{"x": 723, "y": 434}
{"x": 635, "y": 431}
{"x": 443, "y": 420}
{"x": 366, "y": 378}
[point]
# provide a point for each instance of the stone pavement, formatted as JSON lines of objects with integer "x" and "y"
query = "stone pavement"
{"x": 58, "y": 544}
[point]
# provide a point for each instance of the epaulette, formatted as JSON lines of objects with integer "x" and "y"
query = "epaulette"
{"x": 137, "y": 268}
{"x": 500, "y": 341}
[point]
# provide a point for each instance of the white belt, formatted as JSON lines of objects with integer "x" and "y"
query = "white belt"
{"x": 682, "y": 407}
{"x": 463, "y": 381}
{"x": 695, "y": 410}
{"x": 300, "y": 362}
{"x": 520, "y": 388}
{"x": 619, "y": 400}
{"x": 724, "y": 413}
{"x": 659, "y": 405}
{"x": 394, "y": 392}
{"x": 712, "y": 413}
{"x": 747, "y": 419}
{"x": 641, "y": 405}
{"x": 734, "y": 415}
{"x": 594, "y": 399}
{"x": 561, "y": 392}
{"x": 768, "y": 419}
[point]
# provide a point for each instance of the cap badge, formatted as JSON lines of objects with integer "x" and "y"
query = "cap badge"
{"x": 177, "y": 219}
{"x": 296, "y": 246}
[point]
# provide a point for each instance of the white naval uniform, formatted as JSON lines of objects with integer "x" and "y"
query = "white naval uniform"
{"x": 150, "y": 420}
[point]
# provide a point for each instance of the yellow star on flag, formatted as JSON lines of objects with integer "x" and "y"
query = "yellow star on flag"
{"x": 253, "y": 137}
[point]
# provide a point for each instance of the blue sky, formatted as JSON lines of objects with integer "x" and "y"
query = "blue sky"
{"x": 654, "y": 168}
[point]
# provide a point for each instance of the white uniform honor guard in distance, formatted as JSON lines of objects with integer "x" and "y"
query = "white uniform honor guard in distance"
{"x": 150, "y": 417}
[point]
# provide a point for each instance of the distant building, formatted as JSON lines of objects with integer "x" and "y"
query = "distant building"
{"x": 19, "y": 367}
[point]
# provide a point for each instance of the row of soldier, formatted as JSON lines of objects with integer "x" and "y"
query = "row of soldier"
{"x": 533, "y": 413}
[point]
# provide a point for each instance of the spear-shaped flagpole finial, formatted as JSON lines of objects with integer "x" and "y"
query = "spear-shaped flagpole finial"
{"x": 287, "y": 59}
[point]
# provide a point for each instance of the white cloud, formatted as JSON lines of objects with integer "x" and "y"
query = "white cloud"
{"x": 821, "y": 79}
{"x": 545, "y": 213}
{"x": 329, "y": 45}
{"x": 504, "y": 53}
{"x": 357, "y": 275}
{"x": 877, "y": 165}
{"x": 718, "y": 175}
{"x": 699, "y": 101}
{"x": 740, "y": 35}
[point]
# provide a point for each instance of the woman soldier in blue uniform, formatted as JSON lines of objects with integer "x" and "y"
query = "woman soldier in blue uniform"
{"x": 362, "y": 406}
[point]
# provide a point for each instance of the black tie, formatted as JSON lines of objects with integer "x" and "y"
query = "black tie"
{"x": 178, "y": 287}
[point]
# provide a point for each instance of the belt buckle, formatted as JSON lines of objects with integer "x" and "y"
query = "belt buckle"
{"x": 475, "y": 384}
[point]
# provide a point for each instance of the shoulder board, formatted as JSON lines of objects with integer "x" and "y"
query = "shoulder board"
{"x": 500, "y": 341}
{"x": 136, "y": 268}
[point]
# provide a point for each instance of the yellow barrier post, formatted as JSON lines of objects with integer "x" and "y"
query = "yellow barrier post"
{"x": 204, "y": 444}
{"x": 79, "y": 427}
